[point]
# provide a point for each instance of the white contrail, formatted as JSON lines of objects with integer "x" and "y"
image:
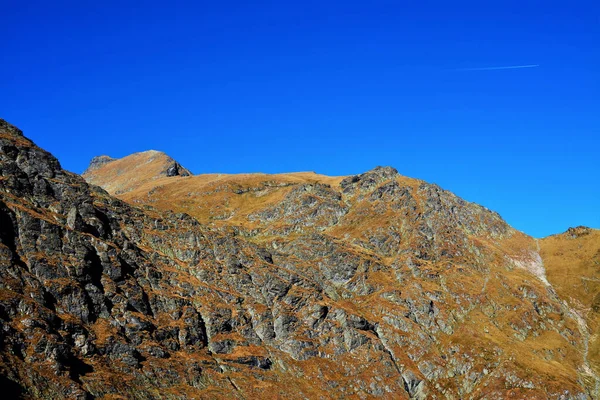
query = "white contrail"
{"x": 496, "y": 68}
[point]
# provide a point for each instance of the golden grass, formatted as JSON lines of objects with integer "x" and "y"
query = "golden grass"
{"x": 219, "y": 199}
{"x": 573, "y": 267}
{"x": 129, "y": 173}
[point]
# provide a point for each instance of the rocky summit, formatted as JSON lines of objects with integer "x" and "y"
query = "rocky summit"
{"x": 144, "y": 281}
{"x": 128, "y": 173}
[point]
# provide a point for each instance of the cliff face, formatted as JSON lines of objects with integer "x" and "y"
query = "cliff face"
{"x": 283, "y": 286}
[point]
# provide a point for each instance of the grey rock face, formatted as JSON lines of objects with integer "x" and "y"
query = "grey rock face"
{"x": 305, "y": 208}
{"x": 97, "y": 162}
{"x": 177, "y": 170}
{"x": 369, "y": 179}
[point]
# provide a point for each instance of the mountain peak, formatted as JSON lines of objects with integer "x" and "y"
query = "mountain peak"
{"x": 121, "y": 175}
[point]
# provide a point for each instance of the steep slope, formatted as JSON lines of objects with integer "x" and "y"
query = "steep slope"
{"x": 371, "y": 285}
{"x": 128, "y": 173}
{"x": 572, "y": 261}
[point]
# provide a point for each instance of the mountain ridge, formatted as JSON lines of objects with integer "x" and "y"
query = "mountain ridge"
{"x": 373, "y": 285}
{"x": 99, "y": 161}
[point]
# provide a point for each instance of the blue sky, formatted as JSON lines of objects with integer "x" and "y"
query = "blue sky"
{"x": 333, "y": 87}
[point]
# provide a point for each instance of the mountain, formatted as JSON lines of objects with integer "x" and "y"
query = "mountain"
{"x": 278, "y": 286}
{"x": 129, "y": 173}
{"x": 572, "y": 262}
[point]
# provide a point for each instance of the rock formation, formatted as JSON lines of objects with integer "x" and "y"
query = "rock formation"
{"x": 271, "y": 286}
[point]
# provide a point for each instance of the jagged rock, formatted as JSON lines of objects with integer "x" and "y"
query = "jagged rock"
{"x": 98, "y": 162}
{"x": 414, "y": 386}
{"x": 368, "y": 180}
{"x": 315, "y": 287}
{"x": 176, "y": 170}
{"x": 578, "y": 231}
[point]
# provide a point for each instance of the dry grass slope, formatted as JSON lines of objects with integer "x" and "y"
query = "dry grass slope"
{"x": 572, "y": 261}
{"x": 123, "y": 175}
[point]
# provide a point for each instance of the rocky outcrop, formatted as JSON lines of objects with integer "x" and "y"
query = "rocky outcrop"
{"x": 379, "y": 286}
{"x": 578, "y": 232}
{"x": 175, "y": 169}
{"x": 98, "y": 162}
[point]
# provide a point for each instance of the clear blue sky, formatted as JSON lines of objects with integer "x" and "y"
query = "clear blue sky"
{"x": 334, "y": 87}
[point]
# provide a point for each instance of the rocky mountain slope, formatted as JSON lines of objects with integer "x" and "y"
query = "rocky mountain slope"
{"x": 572, "y": 262}
{"x": 272, "y": 286}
